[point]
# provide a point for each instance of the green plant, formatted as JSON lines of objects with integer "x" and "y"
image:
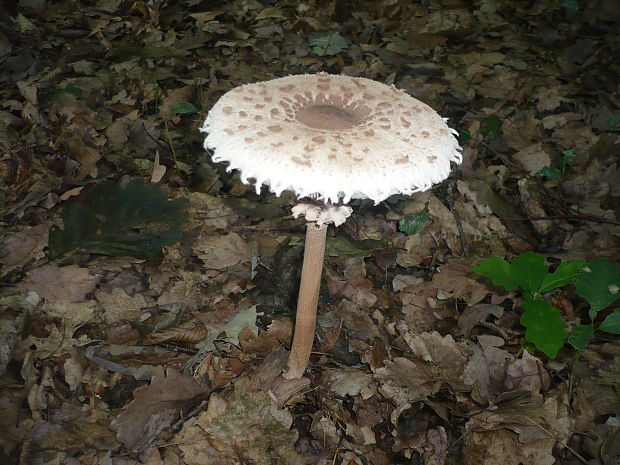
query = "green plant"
{"x": 412, "y": 223}
{"x": 179, "y": 108}
{"x": 183, "y": 108}
{"x": 328, "y": 43}
{"x": 491, "y": 127}
{"x": 597, "y": 282}
{"x": 114, "y": 218}
{"x": 563, "y": 161}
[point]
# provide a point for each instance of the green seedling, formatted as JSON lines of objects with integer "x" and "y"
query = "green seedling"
{"x": 613, "y": 125}
{"x": 571, "y": 7}
{"x": 413, "y": 223}
{"x": 491, "y": 127}
{"x": 179, "y": 108}
{"x": 183, "y": 108}
{"x": 563, "y": 161}
{"x": 597, "y": 282}
{"x": 330, "y": 43}
{"x": 69, "y": 89}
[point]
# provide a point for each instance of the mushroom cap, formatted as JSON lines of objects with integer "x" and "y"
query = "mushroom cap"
{"x": 332, "y": 138}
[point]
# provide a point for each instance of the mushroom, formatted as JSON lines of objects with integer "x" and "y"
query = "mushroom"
{"x": 329, "y": 139}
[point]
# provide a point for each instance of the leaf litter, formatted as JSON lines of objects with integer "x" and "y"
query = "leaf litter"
{"x": 145, "y": 322}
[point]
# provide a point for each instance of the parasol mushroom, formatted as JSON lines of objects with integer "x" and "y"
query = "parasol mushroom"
{"x": 329, "y": 139}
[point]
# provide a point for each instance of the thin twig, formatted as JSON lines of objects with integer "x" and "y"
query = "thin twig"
{"x": 574, "y": 452}
{"x": 459, "y": 226}
{"x": 507, "y": 335}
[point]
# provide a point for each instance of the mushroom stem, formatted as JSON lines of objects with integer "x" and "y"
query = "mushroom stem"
{"x": 308, "y": 300}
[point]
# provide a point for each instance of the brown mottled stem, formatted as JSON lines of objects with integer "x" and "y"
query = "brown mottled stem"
{"x": 308, "y": 300}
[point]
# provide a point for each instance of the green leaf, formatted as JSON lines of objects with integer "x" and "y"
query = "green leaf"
{"x": 549, "y": 172}
{"x": 413, "y": 223}
{"x": 544, "y": 325}
{"x": 565, "y": 273}
{"x": 492, "y": 127}
{"x": 613, "y": 125}
{"x": 566, "y": 158}
{"x": 184, "y": 108}
{"x": 499, "y": 271}
{"x": 599, "y": 284}
{"x": 69, "y": 89}
{"x": 530, "y": 270}
{"x": 611, "y": 324}
{"x": 463, "y": 136}
{"x": 328, "y": 44}
{"x": 580, "y": 336}
{"x": 525, "y": 272}
{"x": 109, "y": 219}
{"x": 570, "y": 6}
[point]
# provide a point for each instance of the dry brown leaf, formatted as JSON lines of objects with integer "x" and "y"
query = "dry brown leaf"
{"x": 351, "y": 382}
{"x": 279, "y": 331}
{"x": 119, "y": 306}
{"x": 87, "y": 157}
{"x": 247, "y": 426}
{"x": 210, "y": 211}
{"x": 486, "y": 369}
{"x": 475, "y": 314}
{"x": 352, "y": 284}
{"x": 443, "y": 352}
{"x": 418, "y": 303}
{"x": 154, "y": 408}
{"x": 527, "y": 373}
{"x": 191, "y": 332}
{"x": 15, "y": 424}
{"x": 533, "y": 158}
{"x": 454, "y": 281}
{"x": 222, "y": 251}
{"x": 158, "y": 170}
{"x": 407, "y": 381}
{"x": 23, "y": 246}
{"x": 60, "y": 284}
{"x": 502, "y": 446}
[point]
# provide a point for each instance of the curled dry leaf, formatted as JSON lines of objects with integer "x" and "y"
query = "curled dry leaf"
{"x": 19, "y": 248}
{"x": 191, "y": 332}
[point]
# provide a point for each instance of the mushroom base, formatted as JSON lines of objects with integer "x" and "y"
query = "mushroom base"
{"x": 308, "y": 300}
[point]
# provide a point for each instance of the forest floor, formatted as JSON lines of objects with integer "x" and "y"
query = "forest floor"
{"x": 147, "y": 296}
